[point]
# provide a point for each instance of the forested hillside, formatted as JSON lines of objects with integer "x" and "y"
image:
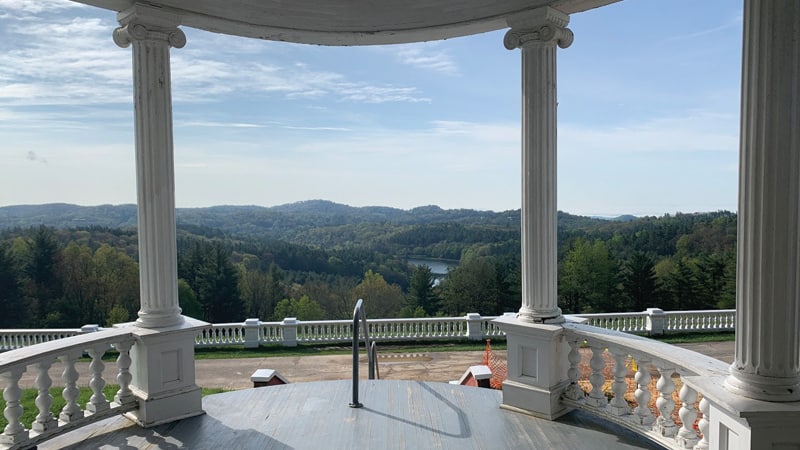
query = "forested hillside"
{"x": 65, "y": 266}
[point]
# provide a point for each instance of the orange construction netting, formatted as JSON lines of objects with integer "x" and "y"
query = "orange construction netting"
{"x": 497, "y": 365}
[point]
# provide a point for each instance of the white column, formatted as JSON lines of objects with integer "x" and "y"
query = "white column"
{"x": 152, "y": 33}
{"x": 766, "y": 365}
{"x": 537, "y": 351}
{"x": 537, "y": 35}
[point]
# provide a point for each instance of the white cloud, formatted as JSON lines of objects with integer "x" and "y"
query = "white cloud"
{"x": 62, "y": 61}
{"x": 694, "y": 132}
{"x": 735, "y": 22}
{"x": 427, "y": 56}
{"x": 38, "y": 6}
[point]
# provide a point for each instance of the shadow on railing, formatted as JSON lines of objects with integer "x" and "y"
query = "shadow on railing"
{"x": 41, "y": 358}
{"x": 360, "y": 316}
{"x": 624, "y": 369}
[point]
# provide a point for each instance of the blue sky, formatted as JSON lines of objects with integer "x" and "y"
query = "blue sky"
{"x": 648, "y": 115}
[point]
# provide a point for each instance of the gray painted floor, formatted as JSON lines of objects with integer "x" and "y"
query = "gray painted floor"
{"x": 396, "y": 415}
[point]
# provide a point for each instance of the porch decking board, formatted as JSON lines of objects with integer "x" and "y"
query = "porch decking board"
{"x": 396, "y": 415}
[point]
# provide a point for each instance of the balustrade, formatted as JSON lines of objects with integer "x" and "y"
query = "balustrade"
{"x": 608, "y": 353}
{"x": 41, "y": 360}
{"x": 473, "y": 326}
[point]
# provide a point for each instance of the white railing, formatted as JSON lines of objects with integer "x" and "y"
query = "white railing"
{"x": 290, "y": 332}
{"x": 17, "y": 338}
{"x": 321, "y": 331}
{"x": 691, "y": 321}
{"x": 65, "y": 352}
{"x": 628, "y": 322}
{"x": 655, "y": 321}
{"x": 660, "y": 366}
{"x": 221, "y": 334}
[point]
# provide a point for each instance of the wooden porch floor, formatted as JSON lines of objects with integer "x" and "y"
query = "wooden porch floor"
{"x": 396, "y": 415}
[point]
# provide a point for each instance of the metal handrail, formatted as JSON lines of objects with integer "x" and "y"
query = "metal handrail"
{"x": 360, "y": 316}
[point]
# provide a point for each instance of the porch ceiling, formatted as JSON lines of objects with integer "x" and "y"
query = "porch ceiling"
{"x": 350, "y": 22}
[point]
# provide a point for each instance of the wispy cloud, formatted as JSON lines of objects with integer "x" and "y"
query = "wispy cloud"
{"x": 37, "y": 6}
{"x": 696, "y": 131}
{"x": 427, "y": 56}
{"x": 53, "y": 60}
{"x": 206, "y": 124}
{"x": 735, "y": 22}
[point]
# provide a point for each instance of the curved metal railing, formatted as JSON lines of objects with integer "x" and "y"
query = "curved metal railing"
{"x": 372, "y": 352}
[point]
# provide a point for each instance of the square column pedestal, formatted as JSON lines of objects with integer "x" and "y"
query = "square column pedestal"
{"x": 537, "y": 368}
{"x": 163, "y": 371}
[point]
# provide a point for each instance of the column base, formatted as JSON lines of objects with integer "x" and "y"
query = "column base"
{"x": 547, "y": 317}
{"x": 534, "y": 401}
{"x": 167, "y": 407}
{"x": 770, "y": 389}
{"x": 163, "y": 373}
{"x": 537, "y": 368}
{"x": 737, "y": 422}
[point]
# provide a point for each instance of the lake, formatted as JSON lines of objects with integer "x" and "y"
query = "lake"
{"x": 438, "y": 267}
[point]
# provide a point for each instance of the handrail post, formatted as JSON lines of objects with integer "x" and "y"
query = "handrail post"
{"x": 356, "y": 313}
{"x": 360, "y": 316}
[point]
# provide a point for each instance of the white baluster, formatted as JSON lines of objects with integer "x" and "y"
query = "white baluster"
{"x": 596, "y": 396}
{"x": 574, "y": 391}
{"x": 618, "y": 405}
{"x": 44, "y": 420}
{"x": 642, "y": 414}
{"x": 702, "y": 425}
{"x": 71, "y": 411}
{"x": 98, "y": 401}
{"x": 14, "y": 432}
{"x": 687, "y": 437}
{"x": 124, "y": 395}
{"x": 664, "y": 425}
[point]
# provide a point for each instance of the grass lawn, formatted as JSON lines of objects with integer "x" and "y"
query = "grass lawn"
{"x": 30, "y": 411}
{"x": 266, "y": 351}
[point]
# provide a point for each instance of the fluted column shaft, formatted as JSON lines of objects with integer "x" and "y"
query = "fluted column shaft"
{"x": 152, "y": 33}
{"x": 537, "y": 35}
{"x": 767, "y": 351}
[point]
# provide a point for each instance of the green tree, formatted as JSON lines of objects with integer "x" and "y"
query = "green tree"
{"x": 12, "y": 307}
{"x": 117, "y": 282}
{"x": 588, "y": 279}
{"x": 472, "y": 287}
{"x": 79, "y": 302}
{"x": 716, "y": 280}
{"x": 682, "y": 287}
{"x": 43, "y": 286}
{"x": 216, "y": 283}
{"x": 254, "y": 288}
{"x": 188, "y": 300}
{"x": 381, "y": 299}
{"x": 302, "y": 309}
{"x": 421, "y": 293}
{"x": 639, "y": 282}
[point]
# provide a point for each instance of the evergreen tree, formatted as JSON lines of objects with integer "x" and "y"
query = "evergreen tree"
{"x": 12, "y": 308}
{"x": 639, "y": 282}
{"x": 44, "y": 280}
{"x": 420, "y": 291}
{"x": 216, "y": 283}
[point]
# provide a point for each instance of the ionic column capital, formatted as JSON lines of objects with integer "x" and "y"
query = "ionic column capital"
{"x": 543, "y": 26}
{"x": 145, "y": 23}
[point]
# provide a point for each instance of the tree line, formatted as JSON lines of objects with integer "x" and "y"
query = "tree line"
{"x": 67, "y": 277}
